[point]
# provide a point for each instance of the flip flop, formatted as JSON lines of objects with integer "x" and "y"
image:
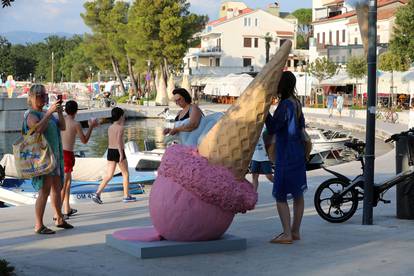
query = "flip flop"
{"x": 64, "y": 216}
{"x": 280, "y": 241}
{"x": 71, "y": 212}
{"x": 44, "y": 231}
{"x": 64, "y": 225}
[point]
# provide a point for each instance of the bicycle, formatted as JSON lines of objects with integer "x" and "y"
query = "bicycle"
{"x": 100, "y": 100}
{"x": 387, "y": 115}
{"x": 336, "y": 199}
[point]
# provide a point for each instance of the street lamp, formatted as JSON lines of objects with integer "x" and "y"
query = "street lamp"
{"x": 30, "y": 77}
{"x": 148, "y": 79}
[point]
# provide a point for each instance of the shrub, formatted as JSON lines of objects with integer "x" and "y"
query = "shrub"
{"x": 5, "y": 269}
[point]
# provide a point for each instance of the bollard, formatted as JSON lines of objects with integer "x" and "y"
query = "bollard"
{"x": 405, "y": 197}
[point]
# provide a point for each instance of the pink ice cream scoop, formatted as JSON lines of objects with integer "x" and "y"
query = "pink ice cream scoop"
{"x": 192, "y": 200}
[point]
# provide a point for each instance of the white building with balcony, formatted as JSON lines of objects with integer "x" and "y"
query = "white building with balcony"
{"x": 336, "y": 31}
{"x": 236, "y": 43}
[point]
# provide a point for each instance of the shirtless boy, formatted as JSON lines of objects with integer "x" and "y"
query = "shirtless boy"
{"x": 116, "y": 155}
{"x": 73, "y": 129}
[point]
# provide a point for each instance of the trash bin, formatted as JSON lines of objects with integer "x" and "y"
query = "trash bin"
{"x": 405, "y": 190}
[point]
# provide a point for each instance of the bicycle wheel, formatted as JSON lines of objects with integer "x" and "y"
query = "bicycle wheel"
{"x": 333, "y": 207}
{"x": 394, "y": 117}
{"x": 113, "y": 103}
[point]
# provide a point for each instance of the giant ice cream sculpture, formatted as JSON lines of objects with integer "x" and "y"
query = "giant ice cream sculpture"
{"x": 198, "y": 191}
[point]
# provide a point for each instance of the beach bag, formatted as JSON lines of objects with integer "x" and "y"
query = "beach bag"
{"x": 307, "y": 141}
{"x": 33, "y": 156}
{"x": 270, "y": 145}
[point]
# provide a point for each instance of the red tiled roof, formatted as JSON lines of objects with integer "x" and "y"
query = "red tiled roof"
{"x": 284, "y": 33}
{"x": 334, "y": 2}
{"x": 224, "y": 18}
{"x": 380, "y": 3}
{"x": 381, "y": 15}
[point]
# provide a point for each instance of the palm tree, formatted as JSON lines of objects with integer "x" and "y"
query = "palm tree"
{"x": 6, "y": 2}
{"x": 268, "y": 39}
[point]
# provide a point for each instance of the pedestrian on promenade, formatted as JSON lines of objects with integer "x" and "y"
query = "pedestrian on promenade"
{"x": 339, "y": 103}
{"x": 73, "y": 129}
{"x": 115, "y": 156}
{"x": 288, "y": 124}
{"x": 330, "y": 103}
{"x": 260, "y": 163}
{"x": 50, "y": 184}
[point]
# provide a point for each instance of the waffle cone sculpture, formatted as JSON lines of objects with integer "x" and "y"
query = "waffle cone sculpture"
{"x": 231, "y": 142}
{"x": 362, "y": 16}
{"x": 198, "y": 192}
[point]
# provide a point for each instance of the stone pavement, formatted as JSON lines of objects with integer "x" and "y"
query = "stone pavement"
{"x": 350, "y": 248}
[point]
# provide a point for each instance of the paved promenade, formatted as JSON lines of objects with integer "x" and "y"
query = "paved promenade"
{"x": 325, "y": 249}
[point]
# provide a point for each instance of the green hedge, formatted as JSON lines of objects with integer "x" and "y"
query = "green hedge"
{"x": 5, "y": 268}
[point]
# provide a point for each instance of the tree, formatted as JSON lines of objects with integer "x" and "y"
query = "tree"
{"x": 106, "y": 19}
{"x": 268, "y": 39}
{"x": 6, "y": 64}
{"x": 391, "y": 62}
{"x": 162, "y": 31}
{"x": 304, "y": 17}
{"x": 6, "y": 3}
{"x": 322, "y": 69}
{"x": 357, "y": 68}
{"x": 402, "y": 43}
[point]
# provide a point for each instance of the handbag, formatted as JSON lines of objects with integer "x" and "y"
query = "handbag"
{"x": 307, "y": 141}
{"x": 33, "y": 155}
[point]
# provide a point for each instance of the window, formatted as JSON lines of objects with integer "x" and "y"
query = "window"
{"x": 211, "y": 62}
{"x": 318, "y": 39}
{"x": 249, "y": 20}
{"x": 256, "y": 22}
{"x": 247, "y": 62}
{"x": 323, "y": 38}
{"x": 217, "y": 62}
{"x": 247, "y": 42}
{"x": 256, "y": 42}
{"x": 330, "y": 38}
{"x": 245, "y": 21}
{"x": 218, "y": 44}
{"x": 337, "y": 38}
{"x": 282, "y": 41}
{"x": 356, "y": 40}
{"x": 343, "y": 36}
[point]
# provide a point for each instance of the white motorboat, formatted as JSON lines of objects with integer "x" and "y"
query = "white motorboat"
{"x": 327, "y": 140}
{"x": 87, "y": 175}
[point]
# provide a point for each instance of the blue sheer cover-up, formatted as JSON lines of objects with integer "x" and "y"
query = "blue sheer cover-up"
{"x": 290, "y": 164}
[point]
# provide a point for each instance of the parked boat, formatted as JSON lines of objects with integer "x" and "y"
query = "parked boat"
{"x": 87, "y": 175}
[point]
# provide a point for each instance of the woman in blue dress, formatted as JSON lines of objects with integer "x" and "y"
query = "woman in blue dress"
{"x": 290, "y": 174}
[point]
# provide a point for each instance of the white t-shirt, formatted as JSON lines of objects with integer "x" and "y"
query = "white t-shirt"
{"x": 260, "y": 153}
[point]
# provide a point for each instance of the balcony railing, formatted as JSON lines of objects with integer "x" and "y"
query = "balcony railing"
{"x": 215, "y": 49}
{"x": 221, "y": 70}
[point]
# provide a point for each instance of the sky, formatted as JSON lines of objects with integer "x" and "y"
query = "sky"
{"x": 48, "y": 16}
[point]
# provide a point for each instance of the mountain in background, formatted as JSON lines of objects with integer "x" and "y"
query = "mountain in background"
{"x": 23, "y": 37}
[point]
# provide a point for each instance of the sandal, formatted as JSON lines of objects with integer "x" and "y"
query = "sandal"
{"x": 64, "y": 216}
{"x": 71, "y": 212}
{"x": 278, "y": 240}
{"x": 44, "y": 231}
{"x": 64, "y": 225}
